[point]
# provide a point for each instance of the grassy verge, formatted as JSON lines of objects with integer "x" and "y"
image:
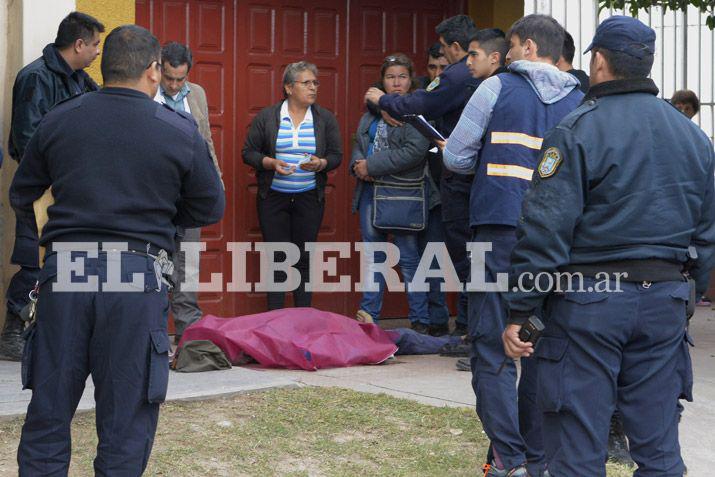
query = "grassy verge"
{"x": 296, "y": 432}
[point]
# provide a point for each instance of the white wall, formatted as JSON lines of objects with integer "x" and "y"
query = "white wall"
{"x": 40, "y": 19}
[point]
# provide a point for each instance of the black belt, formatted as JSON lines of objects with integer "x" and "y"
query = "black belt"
{"x": 645, "y": 270}
{"x": 133, "y": 246}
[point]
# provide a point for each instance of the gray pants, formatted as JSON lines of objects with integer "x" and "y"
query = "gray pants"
{"x": 184, "y": 304}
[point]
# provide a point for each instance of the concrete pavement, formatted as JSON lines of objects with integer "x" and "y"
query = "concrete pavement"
{"x": 431, "y": 380}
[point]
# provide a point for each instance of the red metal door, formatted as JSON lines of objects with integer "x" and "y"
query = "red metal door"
{"x": 240, "y": 50}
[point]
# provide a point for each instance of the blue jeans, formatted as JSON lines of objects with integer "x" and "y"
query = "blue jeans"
{"x": 408, "y": 245}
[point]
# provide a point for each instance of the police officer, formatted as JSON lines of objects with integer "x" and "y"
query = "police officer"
{"x": 624, "y": 185}
{"x": 125, "y": 171}
{"x": 443, "y": 101}
{"x": 55, "y": 76}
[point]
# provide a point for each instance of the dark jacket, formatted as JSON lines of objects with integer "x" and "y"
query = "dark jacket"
{"x": 38, "y": 87}
{"x": 261, "y": 142}
{"x": 623, "y": 177}
{"x": 404, "y": 160}
{"x": 139, "y": 171}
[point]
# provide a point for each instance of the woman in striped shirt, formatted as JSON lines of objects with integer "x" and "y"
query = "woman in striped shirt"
{"x": 292, "y": 145}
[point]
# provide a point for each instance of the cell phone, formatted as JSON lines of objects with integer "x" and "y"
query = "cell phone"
{"x": 531, "y": 331}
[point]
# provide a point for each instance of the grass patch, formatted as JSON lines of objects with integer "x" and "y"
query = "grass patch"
{"x": 296, "y": 432}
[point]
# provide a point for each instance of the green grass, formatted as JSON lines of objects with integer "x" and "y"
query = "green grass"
{"x": 296, "y": 432}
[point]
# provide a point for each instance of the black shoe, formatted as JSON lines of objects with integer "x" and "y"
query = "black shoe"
{"x": 455, "y": 350}
{"x": 463, "y": 364}
{"x": 617, "y": 444}
{"x": 438, "y": 330}
{"x": 11, "y": 341}
{"x": 459, "y": 330}
{"x": 420, "y": 328}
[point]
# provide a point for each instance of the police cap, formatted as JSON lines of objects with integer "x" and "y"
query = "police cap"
{"x": 624, "y": 34}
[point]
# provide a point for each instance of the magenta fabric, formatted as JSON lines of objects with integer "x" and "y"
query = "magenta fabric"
{"x": 295, "y": 338}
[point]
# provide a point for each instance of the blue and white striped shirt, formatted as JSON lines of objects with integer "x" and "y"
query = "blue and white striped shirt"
{"x": 295, "y": 145}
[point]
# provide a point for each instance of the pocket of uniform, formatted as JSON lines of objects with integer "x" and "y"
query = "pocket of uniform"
{"x": 685, "y": 370}
{"x": 550, "y": 352}
{"x": 158, "y": 367}
{"x": 28, "y": 353}
{"x": 586, "y": 298}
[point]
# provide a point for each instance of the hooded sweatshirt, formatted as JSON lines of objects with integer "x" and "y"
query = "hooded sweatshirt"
{"x": 548, "y": 82}
{"x": 500, "y": 133}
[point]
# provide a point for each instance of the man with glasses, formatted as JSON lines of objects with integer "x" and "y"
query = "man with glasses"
{"x": 125, "y": 183}
{"x": 57, "y": 75}
{"x": 176, "y": 91}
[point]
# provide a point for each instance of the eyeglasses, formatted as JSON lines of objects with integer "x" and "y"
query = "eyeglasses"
{"x": 308, "y": 83}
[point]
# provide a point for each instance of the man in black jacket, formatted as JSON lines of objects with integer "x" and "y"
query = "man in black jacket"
{"x": 57, "y": 75}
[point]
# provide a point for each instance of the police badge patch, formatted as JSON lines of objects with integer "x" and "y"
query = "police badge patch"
{"x": 550, "y": 162}
{"x": 433, "y": 84}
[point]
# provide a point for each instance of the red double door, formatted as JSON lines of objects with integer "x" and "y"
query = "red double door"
{"x": 240, "y": 49}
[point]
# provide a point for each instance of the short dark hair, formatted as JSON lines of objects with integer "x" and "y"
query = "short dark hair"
{"x": 176, "y": 55}
{"x": 456, "y": 29}
{"x": 542, "y": 30}
{"x": 492, "y": 40}
{"x": 75, "y": 26}
{"x": 625, "y": 66}
{"x": 128, "y": 51}
{"x": 435, "y": 51}
{"x": 569, "y": 49}
{"x": 686, "y": 96}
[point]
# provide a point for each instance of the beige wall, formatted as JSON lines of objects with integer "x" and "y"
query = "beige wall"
{"x": 495, "y": 13}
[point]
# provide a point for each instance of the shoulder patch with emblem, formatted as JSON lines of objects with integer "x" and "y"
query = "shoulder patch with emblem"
{"x": 433, "y": 84}
{"x": 550, "y": 162}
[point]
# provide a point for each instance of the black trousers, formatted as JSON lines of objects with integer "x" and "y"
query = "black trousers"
{"x": 294, "y": 218}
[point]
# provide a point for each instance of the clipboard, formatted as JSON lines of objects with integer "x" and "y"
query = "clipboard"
{"x": 426, "y": 129}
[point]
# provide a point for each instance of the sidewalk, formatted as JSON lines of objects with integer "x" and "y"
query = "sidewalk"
{"x": 431, "y": 380}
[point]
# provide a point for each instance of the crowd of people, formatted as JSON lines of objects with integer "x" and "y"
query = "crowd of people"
{"x": 556, "y": 169}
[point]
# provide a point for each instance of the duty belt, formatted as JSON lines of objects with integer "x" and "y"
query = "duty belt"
{"x": 644, "y": 270}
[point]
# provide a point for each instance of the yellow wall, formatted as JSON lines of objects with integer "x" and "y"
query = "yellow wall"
{"x": 110, "y": 12}
{"x": 496, "y": 13}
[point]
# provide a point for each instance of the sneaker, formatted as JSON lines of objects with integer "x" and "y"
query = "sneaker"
{"x": 420, "y": 328}
{"x": 704, "y": 301}
{"x": 463, "y": 364}
{"x": 11, "y": 340}
{"x": 455, "y": 350}
{"x": 618, "y": 444}
{"x": 364, "y": 317}
{"x": 490, "y": 470}
{"x": 438, "y": 330}
{"x": 459, "y": 330}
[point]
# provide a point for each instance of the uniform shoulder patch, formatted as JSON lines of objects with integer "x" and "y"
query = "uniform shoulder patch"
{"x": 550, "y": 162}
{"x": 433, "y": 84}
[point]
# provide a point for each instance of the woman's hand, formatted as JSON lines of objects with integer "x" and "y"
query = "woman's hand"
{"x": 390, "y": 120}
{"x": 360, "y": 169}
{"x": 281, "y": 167}
{"x": 315, "y": 164}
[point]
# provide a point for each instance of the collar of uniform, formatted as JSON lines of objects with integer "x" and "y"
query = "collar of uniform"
{"x": 624, "y": 86}
{"x": 123, "y": 92}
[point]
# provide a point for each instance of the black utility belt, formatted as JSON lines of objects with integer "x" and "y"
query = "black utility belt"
{"x": 646, "y": 270}
{"x": 133, "y": 246}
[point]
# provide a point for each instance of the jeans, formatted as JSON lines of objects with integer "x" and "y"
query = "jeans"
{"x": 408, "y": 245}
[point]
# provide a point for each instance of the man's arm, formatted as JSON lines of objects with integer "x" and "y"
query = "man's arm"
{"x": 551, "y": 208}
{"x": 704, "y": 237}
{"x": 202, "y": 200}
{"x": 30, "y": 102}
{"x": 462, "y": 149}
{"x": 434, "y": 104}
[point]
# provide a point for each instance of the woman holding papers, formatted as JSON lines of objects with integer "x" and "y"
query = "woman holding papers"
{"x": 292, "y": 145}
{"x": 392, "y": 193}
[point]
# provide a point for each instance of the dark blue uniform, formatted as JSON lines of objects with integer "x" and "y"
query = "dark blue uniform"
{"x": 125, "y": 169}
{"x": 625, "y": 184}
{"x": 443, "y": 101}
